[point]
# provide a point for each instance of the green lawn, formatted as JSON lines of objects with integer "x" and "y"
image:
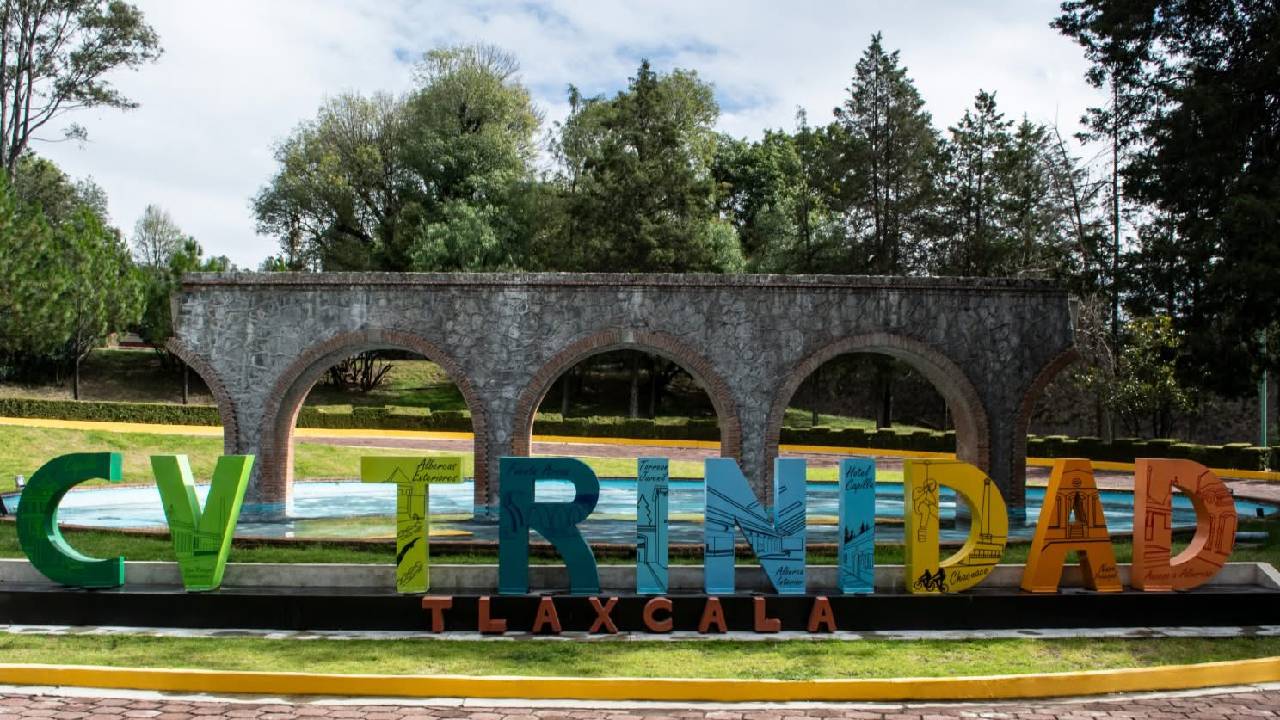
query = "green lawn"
{"x": 410, "y": 383}
{"x": 802, "y": 659}
{"x": 23, "y": 450}
{"x": 118, "y": 376}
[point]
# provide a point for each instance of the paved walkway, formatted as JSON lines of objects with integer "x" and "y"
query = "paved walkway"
{"x": 1235, "y": 704}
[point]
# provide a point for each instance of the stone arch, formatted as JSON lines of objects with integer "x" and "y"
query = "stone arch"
{"x": 284, "y": 402}
{"x": 227, "y": 409}
{"x": 1027, "y": 406}
{"x": 973, "y": 430}
{"x": 652, "y": 341}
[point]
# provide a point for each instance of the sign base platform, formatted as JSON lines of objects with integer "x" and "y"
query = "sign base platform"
{"x": 302, "y": 609}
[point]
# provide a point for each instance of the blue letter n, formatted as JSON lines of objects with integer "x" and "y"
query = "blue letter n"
{"x": 777, "y": 542}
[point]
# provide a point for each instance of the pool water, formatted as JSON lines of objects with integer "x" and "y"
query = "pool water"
{"x": 354, "y": 509}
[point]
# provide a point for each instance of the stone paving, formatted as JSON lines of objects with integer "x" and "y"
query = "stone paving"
{"x": 1235, "y": 705}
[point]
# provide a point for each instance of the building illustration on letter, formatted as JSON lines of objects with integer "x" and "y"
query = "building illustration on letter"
{"x": 988, "y": 533}
{"x": 857, "y": 515}
{"x": 652, "y": 495}
{"x": 411, "y": 476}
{"x": 778, "y": 541}
{"x": 1216, "y": 522}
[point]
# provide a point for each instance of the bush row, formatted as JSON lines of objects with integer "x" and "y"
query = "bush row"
{"x": 150, "y": 413}
{"x": 1240, "y": 456}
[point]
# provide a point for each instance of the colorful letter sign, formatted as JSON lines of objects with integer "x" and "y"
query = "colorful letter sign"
{"x": 412, "y": 476}
{"x": 518, "y": 513}
{"x": 201, "y": 540}
{"x": 652, "y": 494}
{"x": 1215, "y": 538}
{"x": 1071, "y": 519}
{"x": 777, "y": 542}
{"x": 38, "y": 532}
{"x": 988, "y": 530}
{"x": 857, "y": 480}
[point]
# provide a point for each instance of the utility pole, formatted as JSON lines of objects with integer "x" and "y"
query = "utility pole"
{"x": 1262, "y": 412}
{"x": 1263, "y": 438}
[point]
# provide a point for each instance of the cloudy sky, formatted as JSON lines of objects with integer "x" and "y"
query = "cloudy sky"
{"x": 237, "y": 75}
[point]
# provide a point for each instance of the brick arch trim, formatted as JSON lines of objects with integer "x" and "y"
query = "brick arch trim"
{"x": 652, "y": 341}
{"x": 1027, "y": 406}
{"x": 973, "y": 434}
{"x": 227, "y": 409}
{"x": 284, "y": 402}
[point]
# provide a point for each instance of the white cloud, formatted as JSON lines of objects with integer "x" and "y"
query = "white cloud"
{"x": 238, "y": 75}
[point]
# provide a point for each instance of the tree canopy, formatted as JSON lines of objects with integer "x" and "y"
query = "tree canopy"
{"x": 420, "y": 182}
{"x": 1194, "y": 104}
{"x": 57, "y": 56}
{"x": 638, "y": 182}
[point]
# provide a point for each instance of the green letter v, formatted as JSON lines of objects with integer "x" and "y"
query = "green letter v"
{"x": 202, "y": 540}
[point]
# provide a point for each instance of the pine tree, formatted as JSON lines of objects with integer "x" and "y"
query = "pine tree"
{"x": 1194, "y": 88}
{"x": 974, "y": 155}
{"x": 888, "y": 144}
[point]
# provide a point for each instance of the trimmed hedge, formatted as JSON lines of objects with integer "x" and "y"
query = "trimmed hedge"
{"x": 1238, "y": 456}
{"x": 915, "y": 440}
{"x": 150, "y": 413}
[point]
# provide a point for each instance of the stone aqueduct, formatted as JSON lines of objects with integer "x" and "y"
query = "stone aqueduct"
{"x": 260, "y": 341}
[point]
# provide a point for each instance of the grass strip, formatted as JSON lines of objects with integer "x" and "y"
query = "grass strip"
{"x": 24, "y": 449}
{"x": 793, "y": 660}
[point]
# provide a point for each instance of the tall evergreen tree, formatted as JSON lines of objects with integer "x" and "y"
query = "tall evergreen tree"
{"x": 1206, "y": 163}
{"x": 975, "y": 158}
{"x": 888, "y": 142}
{"x": 889, "y": 146}
{"x": 1041, "y": 223}
{"x": 1000, "y": 214}
{"x": 31, "y": 276}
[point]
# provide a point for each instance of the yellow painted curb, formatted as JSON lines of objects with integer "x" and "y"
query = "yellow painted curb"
{"x": 633, "y": 442}
{"x": 210, "y": 431}
{"x": 122, "y": 427}
{"x": 991, "y": 687}
{"x": 357, "y": 433}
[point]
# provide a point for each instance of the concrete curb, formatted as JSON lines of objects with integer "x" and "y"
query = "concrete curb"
{"x": 991, "y": 687}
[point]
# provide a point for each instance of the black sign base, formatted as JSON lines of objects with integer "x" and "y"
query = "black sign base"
{"x": 336, "y": 609}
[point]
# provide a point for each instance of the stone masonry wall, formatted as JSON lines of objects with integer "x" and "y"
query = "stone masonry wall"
{"x": 261, "y": 340}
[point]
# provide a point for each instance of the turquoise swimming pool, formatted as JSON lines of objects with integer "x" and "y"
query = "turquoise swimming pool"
{"x": 354, "y": 509}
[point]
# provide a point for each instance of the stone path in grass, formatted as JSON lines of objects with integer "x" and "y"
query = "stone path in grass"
{"x": 1234, "y": 705}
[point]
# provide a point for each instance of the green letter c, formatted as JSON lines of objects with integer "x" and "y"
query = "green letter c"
{"x": 38, "y": 532}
